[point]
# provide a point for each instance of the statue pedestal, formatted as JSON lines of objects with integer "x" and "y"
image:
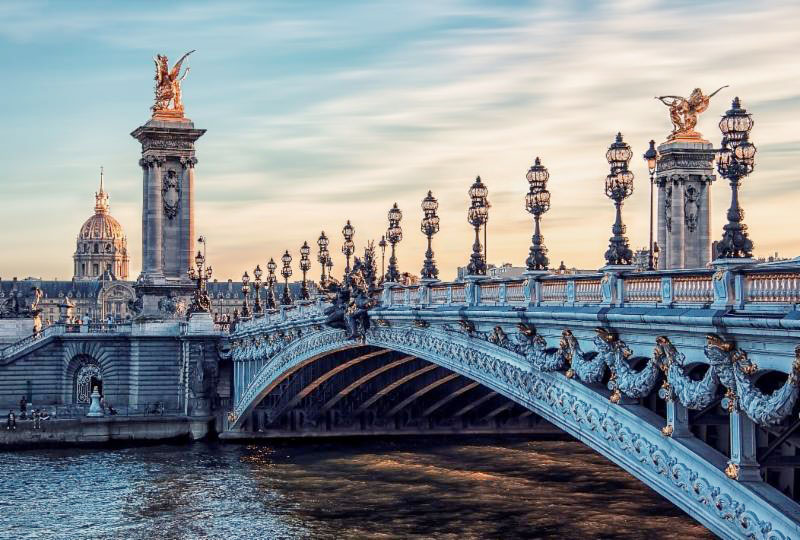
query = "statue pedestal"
{"x": 201, "y": 323}
{"x": 95, "y": 410}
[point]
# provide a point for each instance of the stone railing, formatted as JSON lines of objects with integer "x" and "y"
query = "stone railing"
{"x": 747, "y": 286}
{"x": 643, "y": 289}
{"x": 772, "y": 287}
{"x": 295, "y": 312}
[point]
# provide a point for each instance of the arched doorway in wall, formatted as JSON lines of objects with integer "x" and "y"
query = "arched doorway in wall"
{"x": 87, "y": 377}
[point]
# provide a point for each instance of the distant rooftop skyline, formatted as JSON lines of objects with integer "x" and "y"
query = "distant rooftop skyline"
{"x": 319, "y": 113}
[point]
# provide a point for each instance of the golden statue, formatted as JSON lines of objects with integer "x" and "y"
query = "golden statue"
{"x": 683, "y": 113}
{"x": 168, "y": 87}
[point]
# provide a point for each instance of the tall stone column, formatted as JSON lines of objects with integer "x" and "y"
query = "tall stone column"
{"x": 156, "y": 206}
{"x": 704, "y": 224}
{"x": 147, "y": 265}
{"x": 678, "y": 229}
{"x": 187, "y": 218}
{"x": 662, "y": 225}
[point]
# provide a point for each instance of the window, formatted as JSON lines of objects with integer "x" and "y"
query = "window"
{"x": 97, "y": 248}
{"x": 83, "y": 269}
{"x": 95, "y": 269}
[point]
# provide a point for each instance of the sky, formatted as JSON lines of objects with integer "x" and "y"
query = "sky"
{"x": 319, "y": 112}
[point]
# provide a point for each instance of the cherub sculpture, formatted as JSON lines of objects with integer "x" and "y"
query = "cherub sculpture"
{"x": 683, "y": 112}
{"x": 168, "y": 85}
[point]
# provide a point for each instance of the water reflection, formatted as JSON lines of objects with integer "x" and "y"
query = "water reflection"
{"x": 461, "y": 488}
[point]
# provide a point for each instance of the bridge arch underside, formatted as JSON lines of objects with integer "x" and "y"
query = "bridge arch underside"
{"x": 681, "y": 469}
{"x": 370, "y": 389}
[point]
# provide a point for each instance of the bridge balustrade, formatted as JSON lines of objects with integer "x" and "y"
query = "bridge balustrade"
{"x": 743, "y": 288}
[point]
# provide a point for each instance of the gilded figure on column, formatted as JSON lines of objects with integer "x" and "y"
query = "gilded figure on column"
{"x": 168, "y": 87}
{"x": 683, "y": 112}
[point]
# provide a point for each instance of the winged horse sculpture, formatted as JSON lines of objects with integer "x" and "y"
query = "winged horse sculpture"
{"x": 168, "y": 86}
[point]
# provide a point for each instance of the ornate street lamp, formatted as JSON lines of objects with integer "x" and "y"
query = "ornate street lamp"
{"x": 382, "y": 245}
{"x": 619, "y": 186}
{"x": 322, "y": 257}
{"x": 272, "y": 302}
{"x": 394, "y": 234}
{"x": 257, "y": 308}
{"x": 537, "y": 202}
{"x": 348, "y": 248}
{"x": 329, "y": 264}
{"x": 246, "y": 294}
{"x": 477, "y": 216}
{"x": 735, "y": 160}
{"x": 429, "y": 227}
{"x": 305, "y": 266}
{"x": 651, "y": 158}
{"x": 286, "y": 272}
{"x": 201, "y": 303}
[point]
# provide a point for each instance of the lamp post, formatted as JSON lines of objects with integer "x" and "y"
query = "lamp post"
{"x": 348, "y": 248}
{"x": 537, "y": 202}
{"x": 272, "y": 302}
{"x": 651, "y": 158}
{"x": 394, "y": 234}
{"x": 429, "y": 227}
{"x": 619, "y": 186}
{"x": 735, "y": 160}
{"x": 286, "y": 272}
{"x": 382, "y": 245}
{"x": 305, "y": 266}
{"x": 246, "y": 295}
{"x": 201, "y": 303}
{"x": 322, "y": 257}
{"x": 329, "y": 264}
{"x": 257, "y": 308}
{"x": 477, "y": 215}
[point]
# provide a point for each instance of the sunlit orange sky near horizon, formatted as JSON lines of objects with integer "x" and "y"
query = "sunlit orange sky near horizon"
{"x": 318, "y": 113}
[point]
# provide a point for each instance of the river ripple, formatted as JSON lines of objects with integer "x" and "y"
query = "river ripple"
{"x": 442, "y": 488}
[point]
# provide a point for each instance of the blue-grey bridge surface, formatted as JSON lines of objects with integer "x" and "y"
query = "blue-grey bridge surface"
{"x": 686, "y": 379}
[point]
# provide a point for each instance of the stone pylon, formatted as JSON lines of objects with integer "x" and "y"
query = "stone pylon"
{"x": 168, "y": 166}
{"x": 684, "y": 175}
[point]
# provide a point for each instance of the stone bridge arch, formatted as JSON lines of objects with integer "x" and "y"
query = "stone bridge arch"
{"x": 629, "y": 435}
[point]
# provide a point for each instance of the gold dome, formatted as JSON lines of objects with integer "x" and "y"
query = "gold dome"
{"x": 102, "y": 225}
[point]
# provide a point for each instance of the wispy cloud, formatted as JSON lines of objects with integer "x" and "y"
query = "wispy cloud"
{"x": 317, "y": 115}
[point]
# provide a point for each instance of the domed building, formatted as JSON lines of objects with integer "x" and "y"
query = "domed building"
{"x": 101, "y": 246}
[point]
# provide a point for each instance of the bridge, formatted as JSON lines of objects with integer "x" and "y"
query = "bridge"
{"x": 687, "y": 379}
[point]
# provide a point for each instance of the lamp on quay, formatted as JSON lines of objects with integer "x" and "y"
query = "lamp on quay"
{"x": 477, "y": 216}
{"x": 651, "y": 158}
{"x": 394, "y": 234}
{"x": 246, "y": 294}
{"x": 305, "y": 266}
{"x": 429, "y": 227}
{"x": 537, "y": 202}
{"x": 272, "y": 302}
{"x": 619, "y": 186}
{"x": 322, "y": 257}
{"x": 257, "y": 308}
{"x": 735, "y": 160}
{"x": 286, "y": 272}
{"x": 348, "y": 248}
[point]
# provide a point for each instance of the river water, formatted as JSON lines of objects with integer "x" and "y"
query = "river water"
{"x": 421, "y": 488}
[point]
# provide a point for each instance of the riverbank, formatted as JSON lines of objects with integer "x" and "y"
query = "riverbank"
{"x": 82, "y": 431}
